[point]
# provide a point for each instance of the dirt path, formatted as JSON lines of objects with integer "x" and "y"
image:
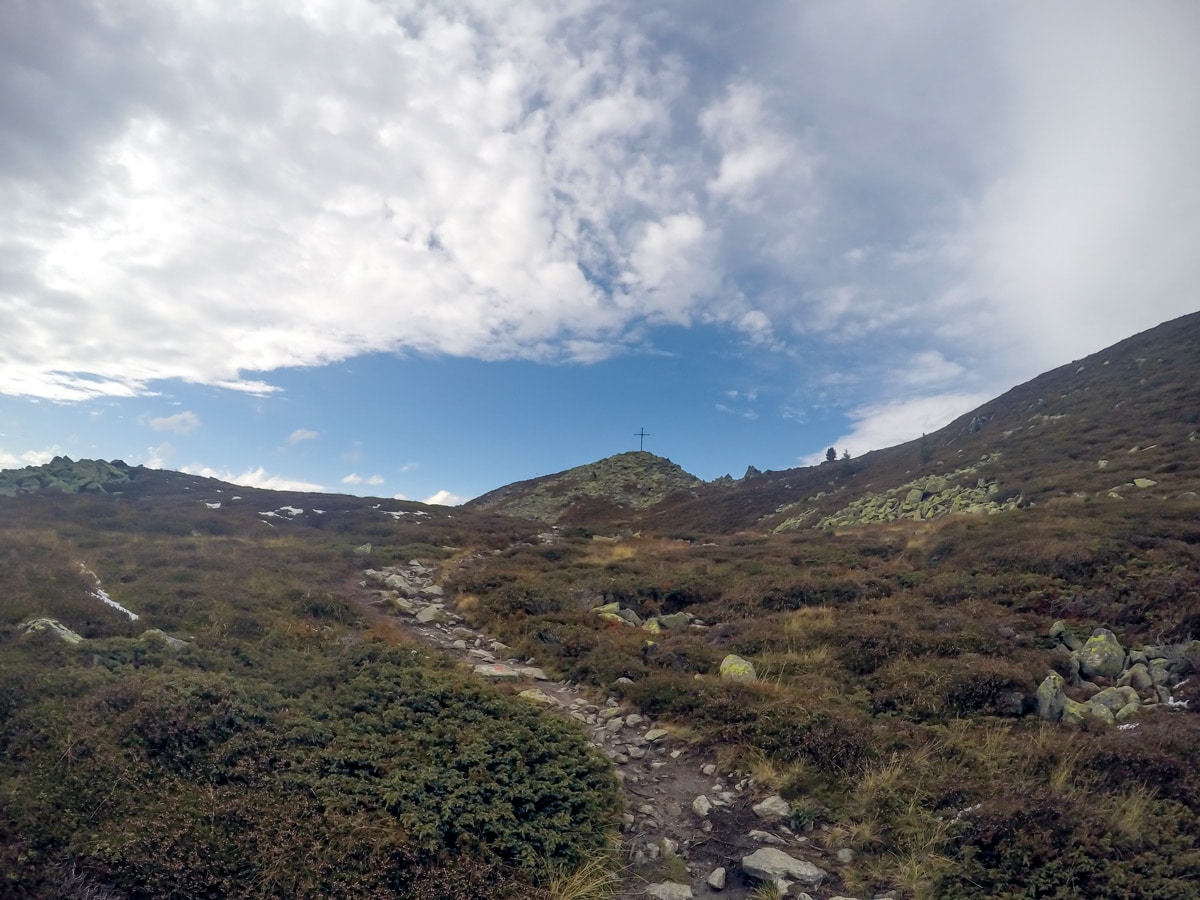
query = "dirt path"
{"x": 664, "y": 837}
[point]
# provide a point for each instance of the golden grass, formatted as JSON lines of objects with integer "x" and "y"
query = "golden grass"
{"x": 598, "y": 878}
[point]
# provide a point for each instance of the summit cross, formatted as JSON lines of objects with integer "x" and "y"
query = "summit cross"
{"x": 641, "y": 436}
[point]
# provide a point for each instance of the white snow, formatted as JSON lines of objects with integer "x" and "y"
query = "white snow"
{"x": 102, "y": 595}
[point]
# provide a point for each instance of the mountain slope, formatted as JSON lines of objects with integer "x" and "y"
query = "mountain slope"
{"x": 1120, "y": 425}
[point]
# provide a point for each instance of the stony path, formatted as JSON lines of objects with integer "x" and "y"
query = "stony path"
{"x": 662, "y": 776}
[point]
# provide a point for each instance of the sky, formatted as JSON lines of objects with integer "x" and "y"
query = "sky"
{"x": 424, "y": 249}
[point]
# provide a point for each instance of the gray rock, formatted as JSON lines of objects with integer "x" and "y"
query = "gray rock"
{"x": 701, "y": 806}
{"x": 716, "y": 879}
{"x": 845, "y": 855}
{"x": 54, "y": 626}
{"x": 675, "y": 620}
{"x": 772, "y": 808}
{"x": 764, "y": 837}
{"x": 629, "y": 616}
{"x": 429, "y": 614}
{"x": 1062, "y": 632}
{"x": 1137, "y": 677}
{"x": 173, "y": 642}
{"x": 1111, "y": 698}
{"x": 497, "y": 671}
{"x": 1051, "y": 699}
{"x": 669, "y": 890}
{"x": 773, "y": 865}
{"x": 1102, "y": 655}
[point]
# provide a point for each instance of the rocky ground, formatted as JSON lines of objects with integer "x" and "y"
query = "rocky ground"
{"x": 690, "y": 829}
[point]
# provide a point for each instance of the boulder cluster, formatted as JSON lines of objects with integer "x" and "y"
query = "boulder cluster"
{"x": 1115, "y": 685}
{"x": 623, "y": 615}
{"x": 65, "y": 475}
{"x": 929, "y": 497}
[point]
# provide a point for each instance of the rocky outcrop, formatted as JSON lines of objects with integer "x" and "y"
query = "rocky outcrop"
{"x": 53, "y": 626}
{"x": 65, "y": 475}
{"x": 1115, "y": 685}
{"x": 961, "y": 492}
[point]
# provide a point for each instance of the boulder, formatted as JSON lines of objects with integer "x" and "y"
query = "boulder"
{"x": 55, "y": 627}
{"x": 734, "y": 668}
{"x": 772, "y": 808}
{"x": 675, "y": 620}
{"x": 630, "y": 616}
{"x": 1074, "y": 713}
{"x": 1137, "y": 677}
{"x": 1061, "y": 632}
{"x": 701, "y": 806}
{"x": 716, "y": 879}
{"x": 429, "y": 614}
{"x": 772, "y": 865}
{"x": 1051, "y": 699}
{"x": 1102, "y": 655}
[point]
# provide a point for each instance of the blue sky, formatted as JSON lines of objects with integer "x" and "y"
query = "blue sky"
{"x": 428, "y": 248}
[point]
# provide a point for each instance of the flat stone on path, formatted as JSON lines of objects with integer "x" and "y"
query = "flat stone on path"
{"x": 496, "y": 670}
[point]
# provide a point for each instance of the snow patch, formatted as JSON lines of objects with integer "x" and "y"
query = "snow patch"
{"x": 213, "y": 505}
{"x": 102, "y": 595}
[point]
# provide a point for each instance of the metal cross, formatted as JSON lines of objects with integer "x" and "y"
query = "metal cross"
{"x": 641, "y": 436}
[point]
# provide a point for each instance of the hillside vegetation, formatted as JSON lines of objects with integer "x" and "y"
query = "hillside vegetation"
{"x": 258, "y": 731}
{"x": 251, "y": 733}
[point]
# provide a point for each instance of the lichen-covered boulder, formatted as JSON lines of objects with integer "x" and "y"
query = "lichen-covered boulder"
{"x": 675, "y": 620}
{"x": 1051, "y": 699}
{"x": 1102, "y": 655}
{"x": 735, "y": 668}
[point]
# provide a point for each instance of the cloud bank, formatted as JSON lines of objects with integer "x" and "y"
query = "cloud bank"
{"x": 210, "y": 192}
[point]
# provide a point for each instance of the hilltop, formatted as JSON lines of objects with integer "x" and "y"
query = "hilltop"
{"x": 613, "y": 486}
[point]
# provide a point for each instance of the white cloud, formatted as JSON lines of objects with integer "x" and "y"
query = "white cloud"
{"x": 355, "y": 478}
{"x": 157, "y": 457}
{"x": 399, "y": 497}
{"x": 470, "y": 182}
{"x": 442, "y": 498}
{"x": 28, "y": 458}
{"x": 553, "y": 180}
{"x": 300, "y": 435}
{"x": 180, "y": 423}
{"x": 929, "y": 367}
{"x": 753, "y": 147}
{"x": 1086, "y": 230}
{"x": 888, "y": 424}
{"x": 256, "y": 478}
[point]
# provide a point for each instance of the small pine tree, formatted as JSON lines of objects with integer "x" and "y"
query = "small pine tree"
{"x": 830, "y": 455}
